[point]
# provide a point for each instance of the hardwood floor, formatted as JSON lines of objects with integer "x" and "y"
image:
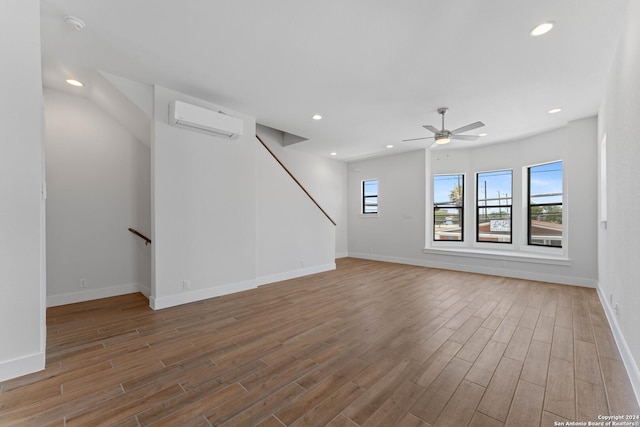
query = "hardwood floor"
{"x": 370, "y": 344}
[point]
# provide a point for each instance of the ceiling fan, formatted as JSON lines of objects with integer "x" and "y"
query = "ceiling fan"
{"x": 444, "y": 136}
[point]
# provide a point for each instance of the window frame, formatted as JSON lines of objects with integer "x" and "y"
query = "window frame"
{"x": 529, "y": 206}
{"x": 437, "y": 206}
{"x": 364, "y": 197}
{"x": 498, "y": 206}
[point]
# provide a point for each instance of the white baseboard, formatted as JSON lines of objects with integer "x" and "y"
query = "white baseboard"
{"x": 342, "y": 254}
{"x": 22, "y": 366}
{"x": 516, "y": 274}
{"x": 199, "y": 295}
{"x": 145, "y": 290}
{"x": 91, "y": 294}
{"x": 279, "y": 277}
{"x": 202, "y": 294}
{"x": 627, "y": 358}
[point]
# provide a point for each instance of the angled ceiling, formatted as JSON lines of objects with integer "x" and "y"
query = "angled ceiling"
{"x": 375, "y": 70}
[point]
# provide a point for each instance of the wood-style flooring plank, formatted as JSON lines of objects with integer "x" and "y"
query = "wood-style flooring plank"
{"x": 497, "y": 399}
{"x": 429, "y": 406}
{"x": 370, "y": 343}
{"x": 461, "y": 406}
{"x": 526, "y": 407}
{"x": 591, "y": 400}
{"x": 536, "y": 363}
{"x": 618, "y": 387}
{"x": 484, "y": 366}
{"x": 481, "y": 420}
{"x": 519, "y": 344}
{"x": 560, "y": 391}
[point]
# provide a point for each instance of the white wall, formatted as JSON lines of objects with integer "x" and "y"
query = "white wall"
{"x": 620, "y": 241}
{"x": 294, "y": 237}
{"x": 204, "y": 208}
{"x": 225, "y": 216}
{"x": 98, "y": 177}
{"x": 22, "y": 281}
{"x": 325, "y": 179}
{"x": 398, "y": 232}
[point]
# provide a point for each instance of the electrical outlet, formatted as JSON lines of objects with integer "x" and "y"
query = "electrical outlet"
{"x": 83, "y": 283}
{"x": 186, "y": 284}
{"x": 301, "y": 263}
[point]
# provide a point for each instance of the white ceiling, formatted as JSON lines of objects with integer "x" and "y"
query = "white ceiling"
{"x": 376, "y": 70}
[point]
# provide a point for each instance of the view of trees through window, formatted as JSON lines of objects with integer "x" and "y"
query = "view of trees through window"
{"x": 494, "y": 204}
{"x": 545, "y": 205}
{"x": 448, "y": 207}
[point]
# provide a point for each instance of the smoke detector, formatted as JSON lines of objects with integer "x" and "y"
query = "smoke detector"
{"x": 76, "y": 23}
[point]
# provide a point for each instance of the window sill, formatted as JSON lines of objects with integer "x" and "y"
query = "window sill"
{"x": 520, "y": 256}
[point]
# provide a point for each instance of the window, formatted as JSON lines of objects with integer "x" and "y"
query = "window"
{"x": 545, "y": 205}
{"x": 370, "y": 196}
{"x": 494, "y": 206}
{"x": 448, "y": 207}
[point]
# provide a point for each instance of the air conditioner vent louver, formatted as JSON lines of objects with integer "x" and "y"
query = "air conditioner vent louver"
{"x": 204, "y": 120}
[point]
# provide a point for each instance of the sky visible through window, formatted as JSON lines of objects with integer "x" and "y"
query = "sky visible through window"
{"x": 546, "y": 183}
{"x": 495, "y": 187}
{"x": 443, "y": 185}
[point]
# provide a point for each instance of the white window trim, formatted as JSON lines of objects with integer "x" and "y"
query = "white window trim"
{"x": 537, "y": 249}
{"x": 517, "y": 251}
{"x": 430, "y": 215}
{"x": 501, "y": 255}
{"x": 476, "y": 209}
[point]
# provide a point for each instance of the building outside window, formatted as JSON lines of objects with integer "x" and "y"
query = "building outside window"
{"x": 448, "y": 207}
{"x": 370, "y": 196}
{"x": 494, "y": 206}
{"x": 545, "y": 227}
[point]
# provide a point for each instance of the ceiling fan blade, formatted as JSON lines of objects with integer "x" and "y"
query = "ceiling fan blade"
{"x": 465, "y": 137}
{"x": 417, "y": 139}
{"x": 472, "y": 126}
{"x": 431, "y": 128}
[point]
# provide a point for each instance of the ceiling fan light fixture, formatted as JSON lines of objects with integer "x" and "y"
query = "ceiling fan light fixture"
{"x": 443, "y": 139}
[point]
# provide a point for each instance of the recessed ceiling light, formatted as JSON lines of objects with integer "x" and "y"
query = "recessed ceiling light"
{"x": 390, "y": 146}
{"x": 483, "y": 134}
{"x": 542, "y": 29}
{"x": 554, "y": 110}
{"x": 334, "y": 154}
{"x": 74, "y": 82}
{"x": 317, "y": 117}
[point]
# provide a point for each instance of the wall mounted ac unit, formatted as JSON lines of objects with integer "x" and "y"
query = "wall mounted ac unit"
{"x": 204, "y": 120}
